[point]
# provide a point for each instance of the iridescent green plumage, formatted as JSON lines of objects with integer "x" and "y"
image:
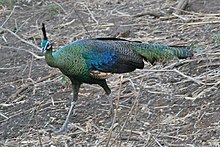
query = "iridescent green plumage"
{"x": 80, "y": 59}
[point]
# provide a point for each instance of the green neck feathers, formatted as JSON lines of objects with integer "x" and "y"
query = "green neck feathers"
{"x": 49, "y": 58}
{"x": 47, "y": 50}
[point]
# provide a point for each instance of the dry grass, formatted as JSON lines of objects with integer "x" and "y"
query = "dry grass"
{"x": 176, "y": 104}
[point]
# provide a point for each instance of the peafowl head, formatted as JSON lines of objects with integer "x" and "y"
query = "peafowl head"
{"x": 45, "y": 44}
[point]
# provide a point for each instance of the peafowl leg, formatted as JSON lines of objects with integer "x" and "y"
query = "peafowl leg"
{"x": 75, "y": 86}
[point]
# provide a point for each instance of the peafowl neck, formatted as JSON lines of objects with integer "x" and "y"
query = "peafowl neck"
{"x": 51, "y": 61}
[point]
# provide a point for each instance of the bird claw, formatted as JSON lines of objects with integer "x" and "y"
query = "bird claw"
{"x": 75, "y": 114}
{"x": 62, "y": 130}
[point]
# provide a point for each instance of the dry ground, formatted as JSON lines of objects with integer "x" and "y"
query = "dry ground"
{"x": 176, "y": 104}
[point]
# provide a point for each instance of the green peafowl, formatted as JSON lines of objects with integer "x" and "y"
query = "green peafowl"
{"x": 92, "y": 61}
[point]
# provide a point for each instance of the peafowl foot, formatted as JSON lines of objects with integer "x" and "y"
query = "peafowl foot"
{"x": 60, "y": 131}
{"x": 64, "y": 128}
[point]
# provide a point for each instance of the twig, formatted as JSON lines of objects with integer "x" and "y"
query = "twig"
{"x": 204, "y": 22}
{"x": 199, "y": 119}
{"x": 8, "y": 68}
{"x": 115, "y": 112}
{"x": 8, "y": 16}
{"x": 35, "y": 55}
{"x": 181, "y": 6}
{"x": 111, "y": 129}
{"x": 173, "y": 137}
{"x": 17, "y": 113}
{"x": 68, "y": 23}
{"x": 84, "y": 26}
{"x": 60, "y": 7}
{"x": 18, "y": 29}
{"x": 3, "y": 115}
{"x": 181, "y": 17}
{"x": 38, "y": 134}
{"x": 27, "y": 42}
{"x": 11, "y": 104}
{"x": 116, "y": 10}
{"x": 156, "y": 14}
{"x": 197, "y": 14}
{"x": 20, "y": 90}
{"x": 131, "y": 110}
{"x": 210, "y": 64}
{"x": 119, "y": 93}
{"x": 80, "y": 128}
{"x": 204, "y": 91}
{"x": 177, "y": 71}
{"x": 158, "y": 143}
{"x": 91, "y": 14}
{"x": 191, "y": 78}
{"x": 31, "y": 65}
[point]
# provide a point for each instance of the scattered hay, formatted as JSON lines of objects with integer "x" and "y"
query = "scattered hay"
{"x": 176, "y": 104}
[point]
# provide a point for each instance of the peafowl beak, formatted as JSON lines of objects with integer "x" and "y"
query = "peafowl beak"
{"x": 43, "y": 50}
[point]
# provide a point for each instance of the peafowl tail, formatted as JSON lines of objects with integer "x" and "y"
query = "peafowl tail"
{"x": 157, "y": 52}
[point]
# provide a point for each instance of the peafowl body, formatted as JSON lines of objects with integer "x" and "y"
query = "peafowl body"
{"x": 80, "y": 58}
{"x": 94, "y": 60}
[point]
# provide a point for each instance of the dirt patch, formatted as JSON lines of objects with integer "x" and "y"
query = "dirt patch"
{"x": 176, "y": 104}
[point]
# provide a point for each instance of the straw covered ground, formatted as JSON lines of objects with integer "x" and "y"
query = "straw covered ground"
{"x": 173, "y": 104}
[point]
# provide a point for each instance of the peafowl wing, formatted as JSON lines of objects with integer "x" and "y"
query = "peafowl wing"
{"x": 111, "y": 56}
